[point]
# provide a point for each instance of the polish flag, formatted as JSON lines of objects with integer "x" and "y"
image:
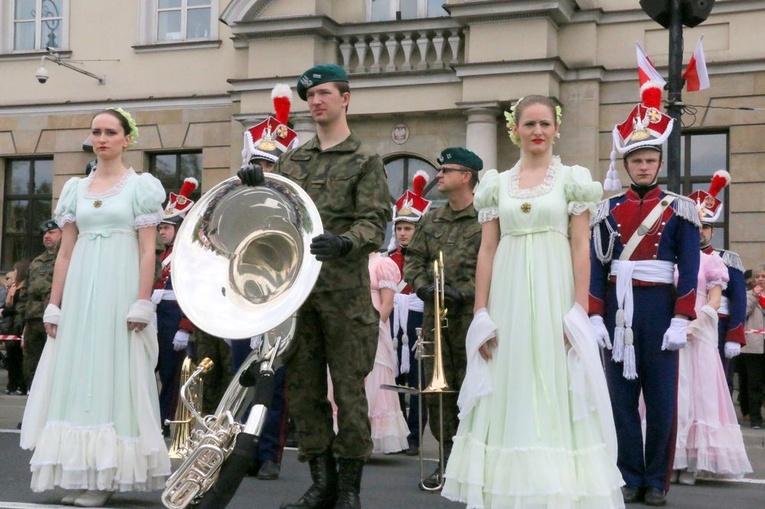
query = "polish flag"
{"x": 646, "y": 70}
{"x": 695, "y": 74}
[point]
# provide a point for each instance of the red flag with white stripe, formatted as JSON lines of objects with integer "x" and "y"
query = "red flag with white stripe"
{"x": 646, "y": 70}
{"x": 695, "y": 75}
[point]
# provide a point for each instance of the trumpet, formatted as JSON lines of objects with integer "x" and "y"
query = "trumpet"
{"x": 438, "y": 384}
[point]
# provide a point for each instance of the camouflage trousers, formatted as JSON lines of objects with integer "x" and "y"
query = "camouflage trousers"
{"x": 34, "y": 342}
{"x": 336, "y": 330}
{"x": 216, "y": 380}
{"x": 455, "y": 363}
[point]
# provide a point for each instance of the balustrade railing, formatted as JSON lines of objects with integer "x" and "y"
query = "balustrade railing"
{"x": 401, "y": 50}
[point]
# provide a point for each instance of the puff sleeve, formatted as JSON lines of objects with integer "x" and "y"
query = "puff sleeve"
{"x": 147, "y": 201}
{"x": 715, "y": 271}
{"x": 388, "y": 275}
{"x": 486, "y": 198}
{"x": 66, "y": 208}
{"x": 582, "y": 194}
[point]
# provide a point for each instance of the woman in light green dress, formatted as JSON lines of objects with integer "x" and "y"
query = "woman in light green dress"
{"x": 92, "y": 417}
{"x": 539, "y": 433}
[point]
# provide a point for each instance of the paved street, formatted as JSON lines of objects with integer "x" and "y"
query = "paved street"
{"x": 389, "y": 480}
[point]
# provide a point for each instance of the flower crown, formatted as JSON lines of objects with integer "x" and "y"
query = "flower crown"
{"x": 510, "y": 116}
{"x": 131, "y": 122}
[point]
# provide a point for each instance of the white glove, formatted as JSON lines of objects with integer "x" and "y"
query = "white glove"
{"x": 600, "y": 331}
{"x": 732, "y": 349}
{"x": 52, "y": 314}
{"x": 181, "y": 340}
{"x": 141, "y": 311}
{"x": 255, "y": 341}
{"x": 677, "y": 335}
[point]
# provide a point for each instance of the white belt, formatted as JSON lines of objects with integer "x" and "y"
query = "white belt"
{"x": 724, "y": 308}
{"x": 168, "y": 295}
{"x": 652, "y": 271}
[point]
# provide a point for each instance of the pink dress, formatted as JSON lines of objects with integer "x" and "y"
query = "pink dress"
{"x": 708, "y": 435}
{"x": 389, "y": 429}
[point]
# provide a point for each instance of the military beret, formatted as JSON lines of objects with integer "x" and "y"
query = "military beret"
{"x": 459, "y": 155}
{"x": 323, "y": 73}
{"x": 48, "y": 225}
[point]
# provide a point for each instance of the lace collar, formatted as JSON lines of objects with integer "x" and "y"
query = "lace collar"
{"x": 543, "y": 187}
{"x": 110, "y": 192}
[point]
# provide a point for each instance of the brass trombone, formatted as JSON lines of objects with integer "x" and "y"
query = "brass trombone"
{"x": 438, "y": 384}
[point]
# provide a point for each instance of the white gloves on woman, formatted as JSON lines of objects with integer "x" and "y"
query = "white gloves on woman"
{"x": 52, "y": 314}
{"x": 600, "y": 331}
{"x": 677, "y": 335}
{"x": 141, "y": 311}
{"x": 732, "y": 349}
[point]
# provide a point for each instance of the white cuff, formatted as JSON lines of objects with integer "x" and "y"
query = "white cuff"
{"x": 52, "y": 314}
{"x": 141, "y": 311}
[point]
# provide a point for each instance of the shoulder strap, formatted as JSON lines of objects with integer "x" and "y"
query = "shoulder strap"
{"x": 649, "y": 220}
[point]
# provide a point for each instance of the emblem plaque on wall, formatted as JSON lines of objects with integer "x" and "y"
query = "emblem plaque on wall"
{"x": 400, "y": 133}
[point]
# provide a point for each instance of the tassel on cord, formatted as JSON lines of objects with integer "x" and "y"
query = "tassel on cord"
{"x": 612, "y": 181}
{"x": 617, "y": 354}
{"x": 630, "y": 368}
{"x": 404, "y": 354}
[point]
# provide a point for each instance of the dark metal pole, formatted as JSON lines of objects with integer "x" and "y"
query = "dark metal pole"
{"x": 674, "y": 94}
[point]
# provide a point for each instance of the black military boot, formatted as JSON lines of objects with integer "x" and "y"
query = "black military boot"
{"x": 349, "y": 485}
{"x": 323, "y": 492}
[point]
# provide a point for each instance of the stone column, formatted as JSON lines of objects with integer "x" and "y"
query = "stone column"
{"x": 304, "y": 126}
{"x": 481, "y": 135}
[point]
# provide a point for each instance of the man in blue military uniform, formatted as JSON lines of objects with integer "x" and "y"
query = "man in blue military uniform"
{"x": 732, "y": 310}
{"x": 639, "y": 238}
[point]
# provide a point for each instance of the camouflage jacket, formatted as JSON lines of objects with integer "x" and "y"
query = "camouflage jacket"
{"x": 458, "y": 235}
{"x": 347, "y": 183}
{"x": 39, "y": 283}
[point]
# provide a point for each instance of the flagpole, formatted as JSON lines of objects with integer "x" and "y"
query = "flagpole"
{"x": 674, "y": 95}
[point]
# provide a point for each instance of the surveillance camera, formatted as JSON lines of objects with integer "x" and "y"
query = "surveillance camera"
{"x": 42, "y": 75}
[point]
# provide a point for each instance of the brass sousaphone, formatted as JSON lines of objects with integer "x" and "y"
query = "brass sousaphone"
{"x": 241, "y": 268}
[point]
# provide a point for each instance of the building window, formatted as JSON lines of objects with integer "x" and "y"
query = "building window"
{"x": 38, "y": 24}
{"x": 27, "y": 203}
{"x": 701, "y": 155}
{"x": 172, "y": 168}
{"x": 184, "y": 20}
{"x": 386, "y": 10}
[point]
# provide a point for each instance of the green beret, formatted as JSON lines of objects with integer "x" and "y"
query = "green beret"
{"x": 323, "y": 73}
{"x": 459, "y": 155}
{"x": 48, "y": 225}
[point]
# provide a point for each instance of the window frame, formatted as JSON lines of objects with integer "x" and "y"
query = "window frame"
{"x": 394, "y": 7}
{"x": 179, "y": 177}
{"x": 148, "y": 24}
{"x": 688, "y": 179}
{"x": 33, "y": 245}
{"x": 8, "y": 28}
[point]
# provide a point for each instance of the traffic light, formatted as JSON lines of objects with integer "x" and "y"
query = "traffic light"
{"x": 692, "y": 12}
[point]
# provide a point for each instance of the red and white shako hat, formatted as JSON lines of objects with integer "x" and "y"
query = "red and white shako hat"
{"x": 179, "y": 204}
{"x": 645, "y": 127}
{"x": 709, "y": 205}
{"x": 272, "y": 137}
{"x": 411, "y": 206}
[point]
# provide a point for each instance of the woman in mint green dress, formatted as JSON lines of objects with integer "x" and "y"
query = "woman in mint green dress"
{"x": 92, "y": 417}
{"x": 536, "y": 429}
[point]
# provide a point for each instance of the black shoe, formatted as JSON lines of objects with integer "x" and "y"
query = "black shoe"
{"x": 655, "y": 497}
{"x": 269, "y": 471}
{"x": 632, "y": 494}
{"x": 756, "y": 425}
{"x": 412, "y": 451}
{"x": 349, "y": 483}
{"x": 323, "y": 492}
{"x": 166, "y": 430}
{"x": 433, "y": 481}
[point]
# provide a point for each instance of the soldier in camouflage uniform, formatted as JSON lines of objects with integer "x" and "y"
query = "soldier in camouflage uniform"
{"x": 337, "y": 325}
{"x": 38, "y": 293}
{"x": 454, "y": 230}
